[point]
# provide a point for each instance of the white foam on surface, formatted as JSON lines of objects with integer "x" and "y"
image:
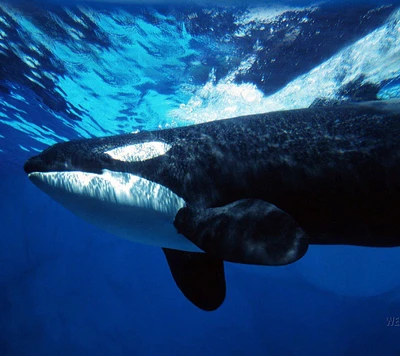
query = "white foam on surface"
{"x": 375, "y": 58}
{"x": 266, "y": 14}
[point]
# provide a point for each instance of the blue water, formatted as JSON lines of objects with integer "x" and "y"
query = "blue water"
{"x": 71, "y": 70}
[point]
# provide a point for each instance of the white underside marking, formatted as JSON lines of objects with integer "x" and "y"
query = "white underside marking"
{"x": 139, "y": 152}
{"x": 121, "y": 203}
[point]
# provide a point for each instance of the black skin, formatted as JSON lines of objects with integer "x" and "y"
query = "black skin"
{"x": 335, "y": 170}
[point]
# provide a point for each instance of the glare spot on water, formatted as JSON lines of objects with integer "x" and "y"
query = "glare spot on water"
{"x": 31, "y": 62}
{"x": 23, "y": 148}
{"x": 35, "y": 81}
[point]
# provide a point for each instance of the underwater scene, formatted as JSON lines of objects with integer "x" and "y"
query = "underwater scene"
{"x": 215, "y": 178}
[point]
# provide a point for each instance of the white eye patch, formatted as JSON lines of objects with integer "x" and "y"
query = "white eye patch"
{"x": 139, "y": 152}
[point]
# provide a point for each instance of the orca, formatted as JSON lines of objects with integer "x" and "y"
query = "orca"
{"x": 255, "y": 189}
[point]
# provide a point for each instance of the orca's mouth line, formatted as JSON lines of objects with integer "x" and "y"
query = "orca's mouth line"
{"x": 37, "y": 173}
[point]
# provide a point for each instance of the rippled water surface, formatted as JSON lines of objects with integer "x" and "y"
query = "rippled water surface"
{"x": 91, "y": 70}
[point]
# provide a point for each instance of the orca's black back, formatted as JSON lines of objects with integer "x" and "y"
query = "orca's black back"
{"x": 335, "y": 170}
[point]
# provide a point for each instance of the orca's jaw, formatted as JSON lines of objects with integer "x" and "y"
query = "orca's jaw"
{"x": 121, "y": 203}
{"x": 112, "y": 187}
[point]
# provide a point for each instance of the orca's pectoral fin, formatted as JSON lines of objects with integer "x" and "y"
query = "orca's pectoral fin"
{"x": 247, "y": 231}
{"x": 199, "y": 276}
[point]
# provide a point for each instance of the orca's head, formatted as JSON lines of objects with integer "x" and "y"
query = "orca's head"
{"x": 68, "y": 156}
{"x": 91, "y": 179}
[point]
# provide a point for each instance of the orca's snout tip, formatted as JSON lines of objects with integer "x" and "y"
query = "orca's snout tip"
{"x": 32, "y": 165}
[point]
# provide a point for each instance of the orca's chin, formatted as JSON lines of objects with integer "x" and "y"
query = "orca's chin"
{"x": 123, "y": 204}
{"x": 112, "y": 187}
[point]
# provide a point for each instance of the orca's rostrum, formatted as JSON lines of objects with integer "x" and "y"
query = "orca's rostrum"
{"x": 255, "y": 189}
